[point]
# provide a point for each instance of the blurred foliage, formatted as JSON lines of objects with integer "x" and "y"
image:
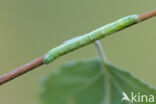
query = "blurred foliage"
{"x": 91, "y": 82}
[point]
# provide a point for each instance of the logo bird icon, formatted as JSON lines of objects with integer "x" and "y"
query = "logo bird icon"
{"x": 125, "y": 97}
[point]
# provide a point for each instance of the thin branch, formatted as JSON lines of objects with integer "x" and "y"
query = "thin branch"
{"x": 21, "y": 70}
{"x": 39, "y": 61}
{"x": 147, "y": 15}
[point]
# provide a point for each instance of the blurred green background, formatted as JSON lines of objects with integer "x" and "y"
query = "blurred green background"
{"x": 29, "y": 28}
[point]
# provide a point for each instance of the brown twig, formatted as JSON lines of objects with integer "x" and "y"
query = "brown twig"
{"x": 36, "y": 63}
{"x": 21, "y": 70}
{"x": 147, "y": 15}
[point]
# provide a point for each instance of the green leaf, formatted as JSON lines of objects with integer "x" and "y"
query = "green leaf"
{"x": 90, "y": 82}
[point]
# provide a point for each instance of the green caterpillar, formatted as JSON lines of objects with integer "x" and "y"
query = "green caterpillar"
{"x": 89, "y": 38}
